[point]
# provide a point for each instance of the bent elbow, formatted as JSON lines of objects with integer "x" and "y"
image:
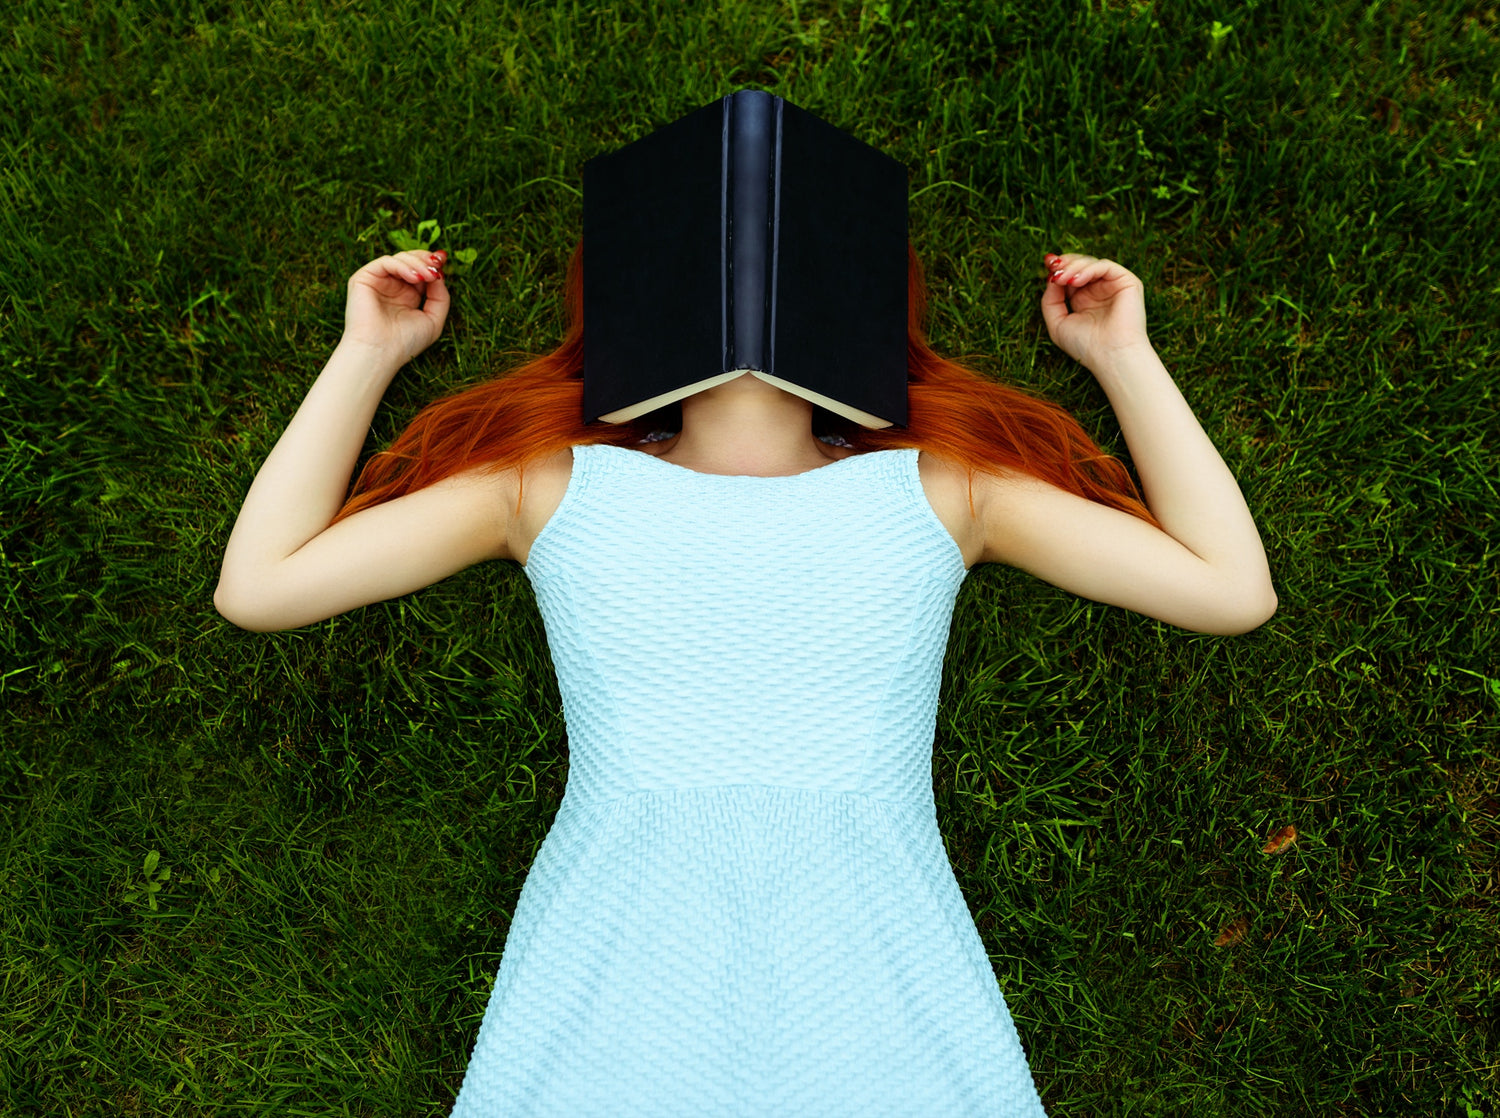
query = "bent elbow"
{"x": 1256, "y": 615}
{"x": 220, "y": 603}
{"x": 232, "y": 612}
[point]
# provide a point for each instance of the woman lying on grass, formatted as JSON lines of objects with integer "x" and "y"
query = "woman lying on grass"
{"x": 744, "y": 904}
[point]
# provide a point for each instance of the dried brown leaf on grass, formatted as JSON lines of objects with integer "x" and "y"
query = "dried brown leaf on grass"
{"x": 1233, "y": 932}
{"x": 1281, "y": 840}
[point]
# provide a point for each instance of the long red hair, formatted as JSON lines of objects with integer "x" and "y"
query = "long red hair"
{"x": 536, "y": 410}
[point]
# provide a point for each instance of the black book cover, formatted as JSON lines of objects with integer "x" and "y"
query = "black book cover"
{"x": 747, "y": 235}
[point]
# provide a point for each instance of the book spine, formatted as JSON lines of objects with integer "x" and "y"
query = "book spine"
{"x": 770, "y": 339}
{"x": 726, "y": 333}
{"x": 747, "y": 211}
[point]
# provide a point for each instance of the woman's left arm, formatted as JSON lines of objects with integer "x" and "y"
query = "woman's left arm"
{"x": 1186, "y": 484}
{"x": 1095, "y": 311}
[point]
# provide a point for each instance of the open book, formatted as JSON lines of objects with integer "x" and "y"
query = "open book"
{"x": 748, "y": 236}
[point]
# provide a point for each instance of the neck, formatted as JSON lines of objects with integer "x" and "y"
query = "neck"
{"x": 746, "y": 426}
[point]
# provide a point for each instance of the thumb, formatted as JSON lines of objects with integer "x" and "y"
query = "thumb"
{"x": 1054, "y": 307}
{"x": 438, "y": 301}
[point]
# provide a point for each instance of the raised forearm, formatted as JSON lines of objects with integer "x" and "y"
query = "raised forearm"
{"x": 1185, "y": 482}
{"x": 303, "y": 481}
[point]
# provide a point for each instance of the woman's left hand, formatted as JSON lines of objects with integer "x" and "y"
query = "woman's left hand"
{"x": 1108, "y": 312}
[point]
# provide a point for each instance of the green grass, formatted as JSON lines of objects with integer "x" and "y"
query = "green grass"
{"x": 348, "y": 810}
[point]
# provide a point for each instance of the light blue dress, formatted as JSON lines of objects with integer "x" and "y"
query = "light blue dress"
{"x": 743, "y": 906}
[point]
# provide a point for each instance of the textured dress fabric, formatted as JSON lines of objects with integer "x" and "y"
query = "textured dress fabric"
{"x": 743, "y": 906}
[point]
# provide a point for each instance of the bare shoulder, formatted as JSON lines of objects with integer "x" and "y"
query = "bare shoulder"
{"x": 532, "y": 500}
{"x": 946, "y": 484}
{"x": 506, "y": 512}
{"x": 1002, "y": 498}
{"x": 943, "y": 471}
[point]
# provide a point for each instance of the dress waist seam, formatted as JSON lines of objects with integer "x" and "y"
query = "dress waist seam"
{"x": 587, "y": 802}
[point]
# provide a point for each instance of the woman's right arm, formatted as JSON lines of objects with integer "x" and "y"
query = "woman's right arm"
{"x": 283, "y": 566}
{"x": 302, "y": 482}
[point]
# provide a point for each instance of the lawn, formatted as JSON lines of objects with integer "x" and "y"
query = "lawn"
{"x": 272, "y": 873}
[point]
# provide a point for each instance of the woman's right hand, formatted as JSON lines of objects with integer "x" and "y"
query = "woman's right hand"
{"x": 385, "y": 310}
